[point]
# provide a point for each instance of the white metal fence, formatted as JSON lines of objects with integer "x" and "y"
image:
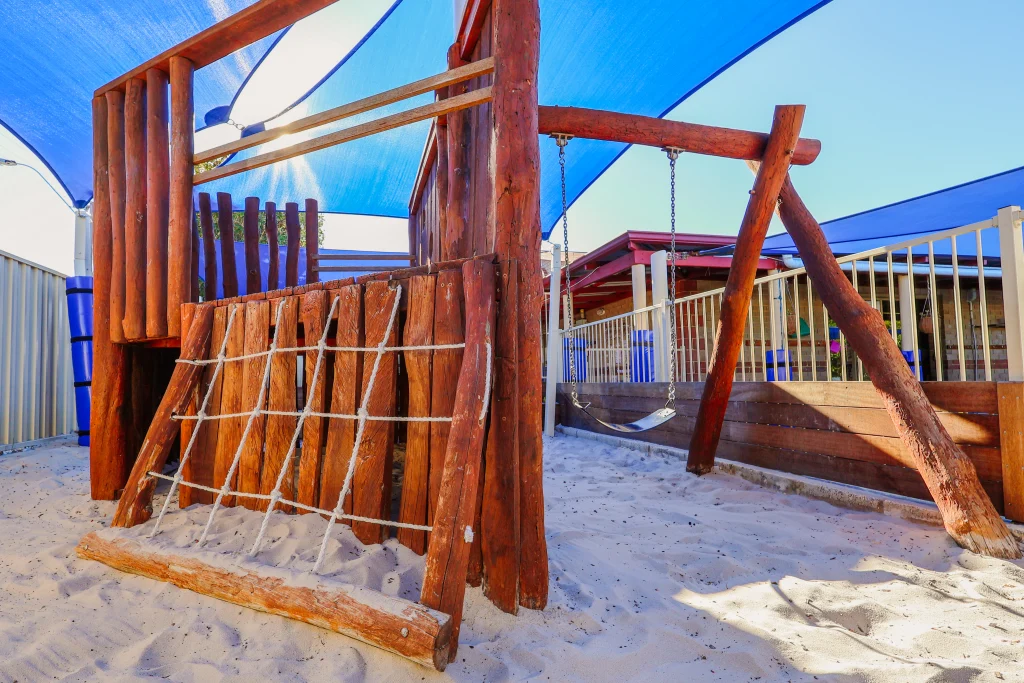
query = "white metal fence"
{"x": 37, "y": 396}
{"x": 951, "y": 300}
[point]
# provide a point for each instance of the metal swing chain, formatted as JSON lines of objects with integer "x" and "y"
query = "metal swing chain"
{"x": 673, "y": 154}
{"x": 562, "y": 141}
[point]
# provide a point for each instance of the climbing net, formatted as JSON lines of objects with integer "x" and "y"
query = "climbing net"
{"x": 361, "y": 417}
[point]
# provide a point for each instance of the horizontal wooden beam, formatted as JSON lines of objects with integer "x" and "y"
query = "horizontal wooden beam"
{"x": 599, "y": 124}
{"x": 363, "y": 257}
{"x": 243, "y": 28}
{"x": 459, "y": 75}
{"x": 352, "y": 269}
{"x": 429, "y": 111}
{"x": 388, "y": 622}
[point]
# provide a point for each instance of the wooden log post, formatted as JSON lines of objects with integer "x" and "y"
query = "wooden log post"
{"x": 116, "y": 179}
{"x": 315, "y": 306}
{"x": 460, "y": 131}
{"x": 107, "y": 456}
{"x": 251, "y": 226}
{"x": 449, "y": 328}
{"x": 444, "y": 576}
{"x": 732, "y": 317}
{"x": 967, "y": 512}
{"x": 135, "y": 505}
{"x": 201, "y": 463}
{"x": 181, "y": 216}
{"x": 312, "y": 241}
{"x": 281, "y": 396}
{"x": 291, "y": 258}
{"x": 135, "y": 210}
{"x": 226, "y": 224}
{"x": 209, "y": 249}
{"x": 229, "y": 434}
{"x": 158, "y": 187}
{"x": 194, "y": 275}
{"x": 516, "y": 35}
{"x": 257, "y": 340}
{"x": 274, "y": 266}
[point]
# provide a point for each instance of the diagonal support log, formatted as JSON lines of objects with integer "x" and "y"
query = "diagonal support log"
{"x": 738, "y": 288}
{"x": 967, "y": 512}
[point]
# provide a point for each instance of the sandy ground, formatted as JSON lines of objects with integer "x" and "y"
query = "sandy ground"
{"x": 655, "y": 575}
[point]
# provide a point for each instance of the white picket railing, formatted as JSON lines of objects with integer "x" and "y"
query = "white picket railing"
{"x": 956, "y": 318}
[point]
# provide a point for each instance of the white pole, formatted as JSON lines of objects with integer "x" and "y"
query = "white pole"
{"x": 638, "y": 272}
{"x": 908, "y": 320}
{"x": 554, "y": 341}
{"x": 1011, "y": 255}
{"x": 659, "y": 292}
{"x": 83, "y": 235}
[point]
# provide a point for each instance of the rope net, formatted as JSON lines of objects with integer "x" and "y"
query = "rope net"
{"x": 275, "y": 497}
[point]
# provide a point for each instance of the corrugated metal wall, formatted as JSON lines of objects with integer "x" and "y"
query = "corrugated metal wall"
{"x": 37, "y": 395}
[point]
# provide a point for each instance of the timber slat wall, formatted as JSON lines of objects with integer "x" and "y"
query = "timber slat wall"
{"x": 831, "y": 430}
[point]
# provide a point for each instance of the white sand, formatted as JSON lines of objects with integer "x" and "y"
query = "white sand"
{"x": 655, "y": 575}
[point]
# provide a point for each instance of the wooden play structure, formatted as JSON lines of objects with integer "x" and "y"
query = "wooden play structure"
{"x": 443, "y": 357}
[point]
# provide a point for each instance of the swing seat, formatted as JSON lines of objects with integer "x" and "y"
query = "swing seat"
{"x": 655, "y": 419}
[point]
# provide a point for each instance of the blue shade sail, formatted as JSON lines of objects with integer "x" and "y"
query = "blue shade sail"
{"x": 55, "y": 53}
{"x": 637, "y": 57}
{"x": 952, "y": 207}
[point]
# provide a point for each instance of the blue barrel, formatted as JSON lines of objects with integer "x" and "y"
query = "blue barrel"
{"x": 79, "y": 291}
{"x": 643, "y": 356}
{"x": 781, "y": 357}
{"x": 580, "y": 345}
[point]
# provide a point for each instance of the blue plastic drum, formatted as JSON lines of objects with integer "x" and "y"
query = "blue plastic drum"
{"x": 79, "y": 291}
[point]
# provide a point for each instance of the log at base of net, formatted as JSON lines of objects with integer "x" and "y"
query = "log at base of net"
{"x": 400, "y": 626}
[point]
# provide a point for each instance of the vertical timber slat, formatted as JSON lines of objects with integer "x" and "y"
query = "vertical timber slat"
{"x": 251, "y": 226}
{"x": 281, "y": 396}
{"x": 315, "y": 306}
{"x": 116, "y": 180}
{"x": 449, "y": 328}
{"x": 135, "y": 210}
{"x": 209, "y": 249}
{"x": 312, "y": 241}
{"x": 230, "y": 432}
{"x": 291, "y": 259}
{"x": 274, "y": 267}
{"x": 158, "y": 187}
{"x": 181, "y": 217}
{"x": 257, "y": 340}
{"x": 199, "y": 469}
{"x": 1011, "y": 446}
{"x": 226, "y": 224}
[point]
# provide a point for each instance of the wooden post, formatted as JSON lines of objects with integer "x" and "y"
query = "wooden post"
{"x": 291, "y": 259}
{"x": 134, "y": 506}
{"x": 516, "y": 34}
{"x": 229, "y": 434}
{"x": 315, "y": 306}
{"x": 460, "y": 131}
{"x": 312, "y": 241}
{"x": 1011, "y": 446}
{"x": 226, "y": 223}
{"x": 444, "y": 576}
{"x": 732, "y": 317}
{"x": 107, "y": 455}
{"x": 449, "y": 328}
{"x": 251, "y": 225}
{"x": 281, "y": 397}
{"x": 274, "y": 267}
{"x": 158, "y": 187}
{"x": 499, "y": 512}
{"x": 181, "y": 215}
{"x": 194, "y": 275}
{"x": 116, "y": 178}
{"x": 209, "y": 249}
{"x": 135, "y": 210}
{"x": 257, "y": 340}
{"x": 952, "y": 480}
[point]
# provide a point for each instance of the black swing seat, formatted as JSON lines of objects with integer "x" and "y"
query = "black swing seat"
{"x": 655, "y": 419}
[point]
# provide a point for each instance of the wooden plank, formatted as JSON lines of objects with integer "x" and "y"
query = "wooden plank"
{"x": 251, "y": 235}
{"x": 345, "y": 396}
{"x": 107, "y": 454}
{"x": 281, "y": 396}
{"x": 1011, "y": 446}
{"x": 259, "y": 20}
{"x": 226, "y": 224}
{"x": 499, "y": 516}
{"x": 312, "y": 226}
{"x": 188, "y": 314}
{"x": 735, "y": 300}
{"x": 116, "y": 181}
{"x": 291, "y": 262}
{"x": 632, "y": 129}
{"x": 257, "y": 339}
{"x": 211, "y": 277}
{"x": 135, "y": 505}
{"x": 230, "y": 432}
{"x": 449, "y": 328}
{"x": 396, "y": 625}
{"x": 967, "y": 512}
{"x": 444, "y": 575}
{"x": 199, "y": 468}
{"x": 135, "y": 210}
{"x": 315, "y": 306}
{"x": 158, "y": 186}
{"x": 419, "y": 331}
{"x": 365, "y": 256}
{"x": 274, "y": 267}
{"x": 194, "y": 275}
{"x": 361, "y": 106}
{"x": 371, "y": 484}
{"x": 181, "y": 216}
{"x": 456, "y": 196}
{"x": 356, "y": 132}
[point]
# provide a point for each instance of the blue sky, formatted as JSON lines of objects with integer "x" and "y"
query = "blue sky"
{"x": 907, "y": 97}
